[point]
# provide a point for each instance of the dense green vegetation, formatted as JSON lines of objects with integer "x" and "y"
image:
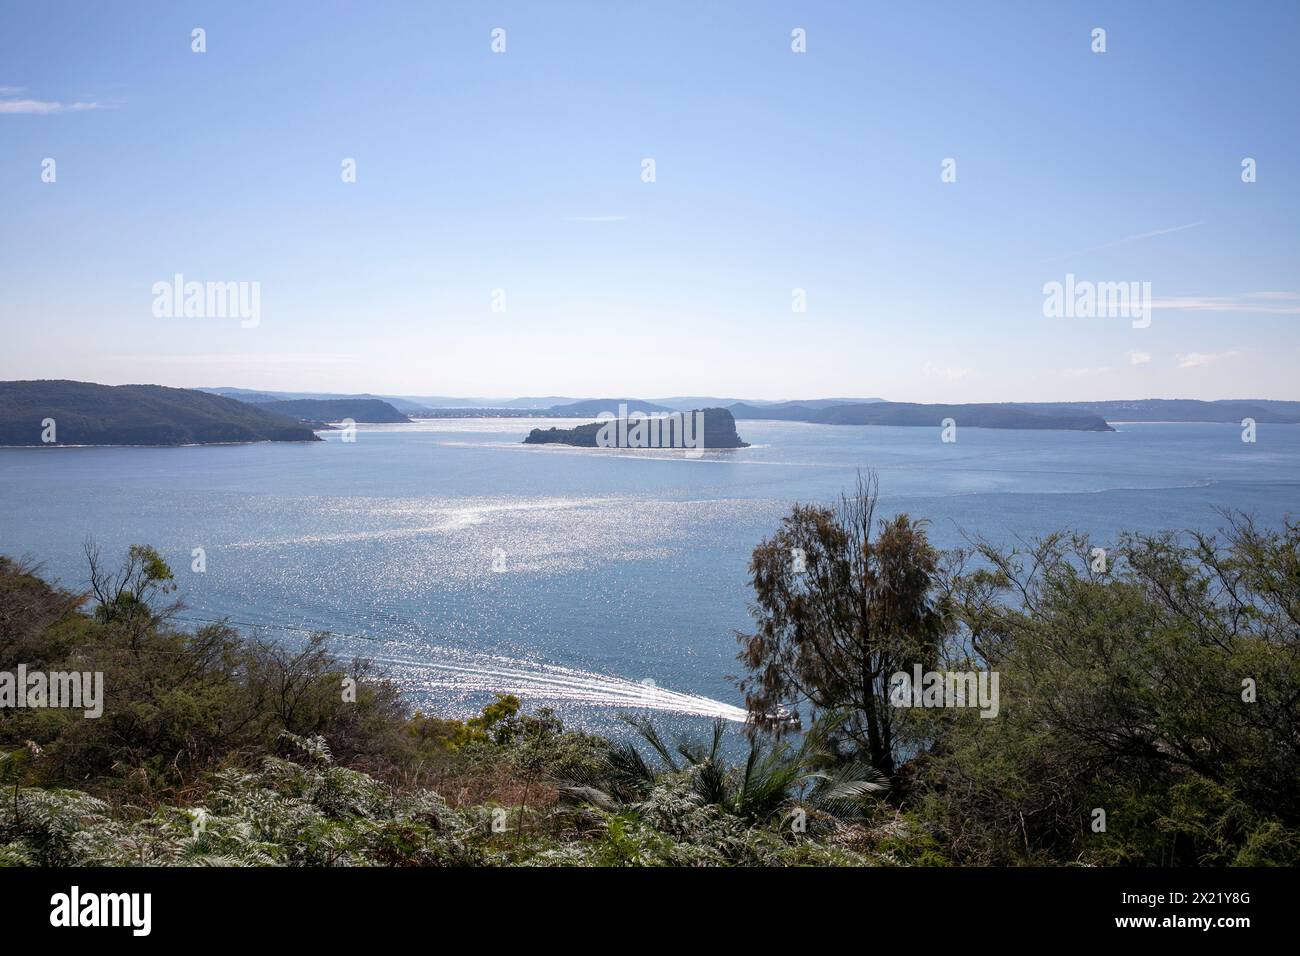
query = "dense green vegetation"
{"x": 1158, "y": 684}
{"x": 1157, "y": 681}
{"x": 335, "y": 409}
{"x": 87, "y": 414}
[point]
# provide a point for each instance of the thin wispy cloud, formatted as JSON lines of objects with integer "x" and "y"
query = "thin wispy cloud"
{"x": 598, "y": 219}
{"x": 12, "y": 103}
{"x": 1139, "y": 358}
{"x": 44, "y": 107}
{"x": 1136, "y": 237}
{"x": 1153, "y": 232}
{"x": 1261, "y": 303}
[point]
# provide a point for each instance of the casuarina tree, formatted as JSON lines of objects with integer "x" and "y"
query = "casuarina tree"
{"x": 842, "y": 602}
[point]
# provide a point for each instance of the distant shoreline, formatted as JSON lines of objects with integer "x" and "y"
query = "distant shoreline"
{"x": 192, "y": 444}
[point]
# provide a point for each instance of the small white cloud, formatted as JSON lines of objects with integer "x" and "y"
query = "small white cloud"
{"x": 1139, "y": 358}
{"x": 1202, "y": 359}
{"x": 951, "y": 374}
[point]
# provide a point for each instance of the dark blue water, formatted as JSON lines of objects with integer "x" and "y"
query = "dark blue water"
{"x": 617, "y": 569}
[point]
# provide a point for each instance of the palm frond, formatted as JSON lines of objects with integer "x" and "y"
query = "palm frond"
{"x": 844, "y": 791}
{"x": 651, "y": 736}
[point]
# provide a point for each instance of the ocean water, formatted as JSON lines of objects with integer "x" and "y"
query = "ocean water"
{"x": 591, "y": 580}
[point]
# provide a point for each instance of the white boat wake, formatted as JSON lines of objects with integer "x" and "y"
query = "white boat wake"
{"x": 553, "y": 683}
{"x": 477, "y": 673}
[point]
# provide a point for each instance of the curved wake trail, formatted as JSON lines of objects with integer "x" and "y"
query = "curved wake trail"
{"x": 551, "y": 682}
{"x": 487, "y": 674}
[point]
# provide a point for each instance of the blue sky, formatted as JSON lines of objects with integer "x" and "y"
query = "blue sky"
{"x": 521, "y": 171}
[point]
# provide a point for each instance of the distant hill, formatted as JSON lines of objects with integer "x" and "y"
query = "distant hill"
{"x": 719, "y": 432}
{"x": 368, "y": 410}
{"x": 911, "y": 414}
{"x": 263, "y": 398}
{"x": 1183, "y": 410}
{"x": 468, "y": 412}
{"x": 588, "y": 408}
{"x": 828, "y": 402}
{"x": 248, "y": 394}
{"x": 688, "y": 402}
{"x": 1091, "y": 416}
{"x": 594, "y": 406}
{"x": 411, "y": 404}
{"x": 419, "y": 403}
{"x": 88, "y": 414}
{"x": 443, "y": 406}
{"x": 1086, "y": 416}
{"x": 537, "y": 402}
{"x": 782, "y": 412}
{"x": 684, "y": 402}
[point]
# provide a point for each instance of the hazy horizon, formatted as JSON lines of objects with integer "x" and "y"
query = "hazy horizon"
{"x": 661, "y": 396}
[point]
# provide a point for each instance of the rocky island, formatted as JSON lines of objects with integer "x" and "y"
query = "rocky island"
{"x": 692, "y": 430}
